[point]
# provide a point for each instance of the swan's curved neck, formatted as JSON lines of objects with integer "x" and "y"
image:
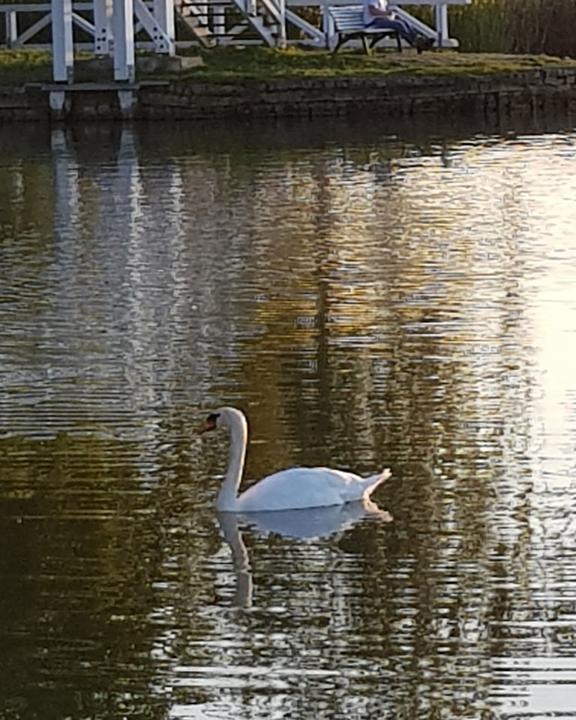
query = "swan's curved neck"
{"x": 227, "y": 497}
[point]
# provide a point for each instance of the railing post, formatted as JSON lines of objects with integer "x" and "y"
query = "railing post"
{"x": 123, "y": 25}
{"x": 327, "y": 25}
{"x": 164, "y": 14}
{"x": 62, "y": 41}
{"x": 102, "y": 27}
{"x": 11, "y": 28}
{"x": 282, "y": 39}
{"x": 441, "y": 13}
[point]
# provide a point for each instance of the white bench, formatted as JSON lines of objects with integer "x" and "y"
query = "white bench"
{"x": 349, "y": 24}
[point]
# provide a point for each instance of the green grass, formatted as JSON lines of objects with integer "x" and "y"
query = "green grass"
{"x": 264, "y": 63}
{"x": 21, "y": 66}
{"x": 260, "y": 63}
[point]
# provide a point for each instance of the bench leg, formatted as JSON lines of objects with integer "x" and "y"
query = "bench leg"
{"x": 373, "y": 42}
{"x": 377, "y": 38}
{"x": 367, "y": 48}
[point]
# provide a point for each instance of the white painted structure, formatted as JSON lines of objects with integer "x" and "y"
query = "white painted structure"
{"x": 115, "y": 27}
{"x": 62, "y": 41}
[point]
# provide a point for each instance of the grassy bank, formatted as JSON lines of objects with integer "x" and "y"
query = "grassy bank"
{"x": 21, "y": 66}
{"x": 263, "y": 63}
{"x": 259, "y": 63}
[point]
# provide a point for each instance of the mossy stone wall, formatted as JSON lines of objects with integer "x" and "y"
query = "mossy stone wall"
{"x": 503, "y": 95}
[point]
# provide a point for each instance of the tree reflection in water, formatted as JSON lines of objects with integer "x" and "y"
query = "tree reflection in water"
{"x": 370, "y": 302}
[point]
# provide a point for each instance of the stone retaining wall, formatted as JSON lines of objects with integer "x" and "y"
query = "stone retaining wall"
{"x": 523, "y": 93}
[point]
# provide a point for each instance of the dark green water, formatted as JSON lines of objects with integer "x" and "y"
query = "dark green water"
{"x": 369, "y": 299}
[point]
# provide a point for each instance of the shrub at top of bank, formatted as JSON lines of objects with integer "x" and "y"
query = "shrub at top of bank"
{"x": 516, "y": 26}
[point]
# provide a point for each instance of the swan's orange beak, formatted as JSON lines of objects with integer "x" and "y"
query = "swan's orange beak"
{"x": 208, "y": 424}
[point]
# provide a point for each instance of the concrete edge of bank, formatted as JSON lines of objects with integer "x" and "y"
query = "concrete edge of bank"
{"x": 502, "y": 95}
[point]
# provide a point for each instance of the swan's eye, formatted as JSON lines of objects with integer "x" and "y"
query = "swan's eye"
{"x": 210, "y": 423}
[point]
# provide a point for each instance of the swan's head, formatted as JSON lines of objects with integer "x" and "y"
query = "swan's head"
{"x": 224, "y": 417}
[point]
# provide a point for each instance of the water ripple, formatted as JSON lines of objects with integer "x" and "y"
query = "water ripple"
{"x": 402, "y": 302}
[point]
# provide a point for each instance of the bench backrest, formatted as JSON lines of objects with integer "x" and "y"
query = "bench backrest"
{"x": 347, "y": 17}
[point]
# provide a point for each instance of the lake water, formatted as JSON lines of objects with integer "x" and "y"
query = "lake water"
{"x": 371, "y": 298}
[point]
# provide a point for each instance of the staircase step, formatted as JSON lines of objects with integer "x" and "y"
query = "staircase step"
{"x": 200, "y": 31}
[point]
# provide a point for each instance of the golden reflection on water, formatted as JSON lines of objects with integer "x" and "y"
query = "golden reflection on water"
{"x": 369, "y": 303}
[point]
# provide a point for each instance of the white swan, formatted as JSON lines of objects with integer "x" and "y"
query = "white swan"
{"x": 291, "y": 489}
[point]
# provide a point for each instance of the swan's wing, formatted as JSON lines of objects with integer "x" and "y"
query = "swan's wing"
{"x": 304, "y": 488}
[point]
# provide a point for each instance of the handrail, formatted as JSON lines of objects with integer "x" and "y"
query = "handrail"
{"x": 143, "y": 9}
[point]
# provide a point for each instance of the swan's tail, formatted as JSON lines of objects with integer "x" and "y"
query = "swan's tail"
{"x": 375, "y": 480}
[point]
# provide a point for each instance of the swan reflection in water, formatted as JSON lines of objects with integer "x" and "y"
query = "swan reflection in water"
{"x": 318, "y": 523}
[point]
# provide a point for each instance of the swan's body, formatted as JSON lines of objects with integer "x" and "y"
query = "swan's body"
{"x": 292, "y": 489}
